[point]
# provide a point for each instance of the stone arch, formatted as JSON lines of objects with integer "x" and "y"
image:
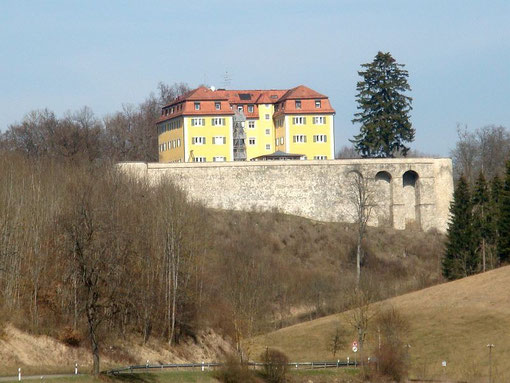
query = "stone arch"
{"x": 384, "y": 194}
{"x": 411, "y": 195}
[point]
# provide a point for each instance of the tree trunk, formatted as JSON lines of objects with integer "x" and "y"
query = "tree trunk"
{"x": 358, "y": 262}
{"x": 483, "y": 254}
{"x": 93, "y": 340}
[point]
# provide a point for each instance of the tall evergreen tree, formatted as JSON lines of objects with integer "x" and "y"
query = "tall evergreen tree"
{"x": 504, "y": 219}
{"x": 460, "y": 257}
{"x": 496, "y": 188}
{"x": 481, "y": 226}
{"x": 384, "y": 109}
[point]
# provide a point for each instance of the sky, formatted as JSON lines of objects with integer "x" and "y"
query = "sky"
{"x": 63, "y": 55}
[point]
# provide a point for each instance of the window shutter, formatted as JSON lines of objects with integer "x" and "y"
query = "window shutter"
{"x": 224, "y": 140}
{"x": 293, "y": 138}
{"x": 304, "y": 120}
{"x": 325, "y": 138}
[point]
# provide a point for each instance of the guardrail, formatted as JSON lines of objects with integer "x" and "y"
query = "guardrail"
{"x": 208, "y": 365}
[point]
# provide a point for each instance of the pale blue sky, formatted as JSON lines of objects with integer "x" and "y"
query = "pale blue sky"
{"x": 66, "y": 54}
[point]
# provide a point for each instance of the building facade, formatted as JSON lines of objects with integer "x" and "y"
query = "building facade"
{"x": 198, "y": 126}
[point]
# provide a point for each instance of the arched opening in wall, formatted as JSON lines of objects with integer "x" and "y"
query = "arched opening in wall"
{"x": 411, "y": 196}
{"x": 384, "y": 194}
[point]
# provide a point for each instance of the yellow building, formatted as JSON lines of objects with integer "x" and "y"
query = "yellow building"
{"x": 199, "y": 126}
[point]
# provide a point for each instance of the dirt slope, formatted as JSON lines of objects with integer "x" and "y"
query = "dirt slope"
{"x": 453, "y": 322}
{"x": 43, "y": 354}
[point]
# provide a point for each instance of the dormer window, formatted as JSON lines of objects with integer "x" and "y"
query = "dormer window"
{"x": 250, "y": 108}
{"x": 217, "y": 105}
{"x": 317, "y": 103}
{"x": 240, "y": 108}
{"x": 298, "y": 104}
{"x": 197, "y": 106}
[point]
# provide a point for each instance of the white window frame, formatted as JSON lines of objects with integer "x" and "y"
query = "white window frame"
{"x": 251, "y": 124}
{"x": 268, "y": 146}
{"x": 197, "y": 106}
{"x": 217, "y": 105}
{"x": 218, "y": 121}
{"x": 268, "y": 132}
{"x": 299, "y": 120}
{"x": 198, "y": 140}
{"x": 299, "y": 139}
{"x": 219, "y": 140}
{"x": 250, "y": 139}
{"x": 319, "y": 120}
{"x": 268, "y": 116}
{"x": 298, "y": 104}
{"x": 198, "y": 122}
{"x": 199, "y": 159}
{"x": 219, "y": 159}
{"x": 251, "y": 108}
{"x": 320, "y": 157}
{"x": 318, "y": 104}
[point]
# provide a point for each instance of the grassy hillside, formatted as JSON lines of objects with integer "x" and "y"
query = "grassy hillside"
{"x": 453, "y": 322}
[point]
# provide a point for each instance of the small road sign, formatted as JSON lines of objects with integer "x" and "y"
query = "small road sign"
{"x": 354, "y": 349}
{"x": 354, "y": 344}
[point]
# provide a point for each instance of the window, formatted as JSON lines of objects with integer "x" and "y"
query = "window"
{"x": 267, "y": 116}
{"x": 268, "y": 132}
{"x": 299, "y": 120}
{"x": 281, "y": 141}
{"x": 250, "y": 108}
{"x": 240, "y": 108}
{"x": 298, "y": 104}
{"x": 321, "y": 120}
{"x": 276, "y": 142}
{"x": 198, "y": 140}
{"x": 199, "y": 159}
{"x": 320, "y": 157}
{"x": 219, "y": 159}
{"x": 217, "y": 105}
{"x": 251, "y": 141}
{"x": 218, "y": 121}
{"x": 178, "y": 142}
{"x": 320, "y": 138}
{"x": 268, "y": 146}
{"x": 317, "y": 103}
{"x": 251, "y": 124}
{"x": 197, "y": 121}
{"x": 197, "y": 106}
{"x": 299, "y": 139}
{"x": 219, "y": 140}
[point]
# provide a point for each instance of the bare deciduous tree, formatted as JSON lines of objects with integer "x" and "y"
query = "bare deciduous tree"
{"x": 361, "y": 197}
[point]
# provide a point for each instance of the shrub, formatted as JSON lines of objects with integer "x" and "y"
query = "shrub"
{"x": 392, "y": 361}
{"x": 275, "y": 365}
{"x": 71, "y": 337}
{"x": 233, "y": 371}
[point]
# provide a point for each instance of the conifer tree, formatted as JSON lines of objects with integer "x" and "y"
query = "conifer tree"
{"x": 496, "y": 188}
{"x": 460, "y": 257}
{"x": 504, "y": 219}
{"x": 480, "y": 213}
{"x": 384, "y": 109}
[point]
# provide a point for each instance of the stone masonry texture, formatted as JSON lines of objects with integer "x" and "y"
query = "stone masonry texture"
{"x": 403, "y": 191}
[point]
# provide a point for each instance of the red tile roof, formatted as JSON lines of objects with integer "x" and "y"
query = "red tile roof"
{"x": 230, "y": 98}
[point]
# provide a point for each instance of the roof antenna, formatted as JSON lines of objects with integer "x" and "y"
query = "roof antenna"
{"x": 226, "y": 80}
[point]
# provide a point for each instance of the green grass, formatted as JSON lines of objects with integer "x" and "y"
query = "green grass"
{"x": 157, "y": 377}
{"x": 337, "y": 375}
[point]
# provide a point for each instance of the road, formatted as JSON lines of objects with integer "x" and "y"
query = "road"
{"x": 36, "y": 377}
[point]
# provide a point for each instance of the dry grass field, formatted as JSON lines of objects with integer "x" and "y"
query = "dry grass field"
{"x": 451, "y": 322}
